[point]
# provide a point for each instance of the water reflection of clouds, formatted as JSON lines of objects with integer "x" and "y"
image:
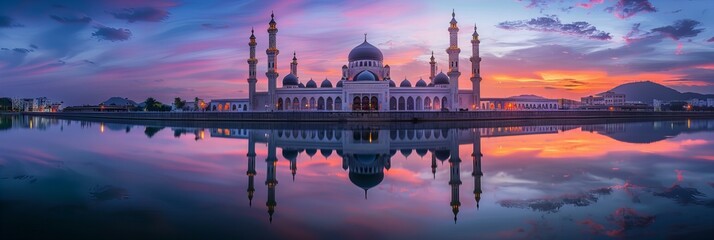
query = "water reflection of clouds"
{"x": 576, "y": 178}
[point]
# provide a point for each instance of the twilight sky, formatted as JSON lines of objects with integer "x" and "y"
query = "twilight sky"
{"x": 85, "y": 51}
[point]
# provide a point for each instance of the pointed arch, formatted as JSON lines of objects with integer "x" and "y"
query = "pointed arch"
{"x": 402, "y": 104}
{"x": 330, "y": 104}
{"x": 419, "y": 104}
{"x": 321, "y": 104}
{"x": 410, "y": 103}
{"x": 338, "y": 104}
{"x": 427, "y": 103}
{"x": 393, "y": 104}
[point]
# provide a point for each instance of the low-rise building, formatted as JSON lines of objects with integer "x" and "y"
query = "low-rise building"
{"x": 604, "y": 99}
{"x": 521, "y": 103}
{"x": 229, "y": 105}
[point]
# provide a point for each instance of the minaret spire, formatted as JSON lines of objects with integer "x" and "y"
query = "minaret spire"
{"x": 271, "y": 179}
{"x": 365, "y": 37}
{"x": 475, "y": 70}
{"x": 272, "y": 53}
{"x": 293, "y": 65}
{"x": 252, "y": 62}
{"x": 453, "y": 52}
{"x": 432, "y": 67}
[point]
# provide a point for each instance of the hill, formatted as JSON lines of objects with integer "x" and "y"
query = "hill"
{"x": 646, "y": 91}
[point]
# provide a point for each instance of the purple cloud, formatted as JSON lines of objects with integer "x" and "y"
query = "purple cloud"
{"x": 680, "y": 29}
{"x": 71, "y": 20}
{"x": 112, "y": 34}
{"x": 23, "y": 50}
{"x": 711, "y": 40}
{"x": 146, "y": 14}
{"x": 628, "y": 8}
{"x": 553, "y": 24}
{"x": 7, "y": 22}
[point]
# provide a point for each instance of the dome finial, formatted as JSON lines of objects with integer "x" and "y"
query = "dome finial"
{"x": 453, "y": 13}
{"x": 365, "y": 37}
{"x": 365, "y": 194}
{"x": 272, "y": 14}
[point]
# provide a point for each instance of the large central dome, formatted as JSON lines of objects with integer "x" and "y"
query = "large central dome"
{"x": 365, "y": 51}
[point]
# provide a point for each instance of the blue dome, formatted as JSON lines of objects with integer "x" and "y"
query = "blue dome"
{"x": 391, "y": 83}
{"x": 366, "y": 181}
{"x": 442, "y": 155}
{"x": 441, "y": 78}
{"x": 290, "y": 80}
{"x": 311, "y": 84}
{"x": 339, "y": 83}
{"x": 406, "y": 152}
{"x": 421, "y": 83}
{"x": 365, "y": 51}
{"x": 405, "y": 83}
{"x": 301, "y": 85}
{"x": 310, "y": 151}
{"x": 326, "y": 84}
{"x": 290, "y": 153}
{"x": 326, "y": 152}
{"x": 366, "y": 76}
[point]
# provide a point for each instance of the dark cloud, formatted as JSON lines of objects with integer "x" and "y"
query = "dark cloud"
{"x": 628, "y": 8}
{"x": 23, "y": 50}
{"x": 145, "y": 14}
{"x": 7, "y": 22}
{"x": 70, "y": 20}
{"x": 552, "y": 205}
{"x": 90, "y": 62}
{"x": 680, "y": 29}
{"x": 33, "y": 46}
{"x": 711, "y": 40}
{"x": 553, "y": 24}
{"x": 112, "y": 34}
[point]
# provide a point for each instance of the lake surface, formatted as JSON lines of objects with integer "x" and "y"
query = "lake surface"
{"x": 78, "y": 179}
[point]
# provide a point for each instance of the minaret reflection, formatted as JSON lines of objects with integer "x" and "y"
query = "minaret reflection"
{"x": 271, "y": 179}
{"x": 455, "y": 175}
{"x": 477, "y": 173}
{"x": 291, "y": 155}
{"x": 251, "y": 168}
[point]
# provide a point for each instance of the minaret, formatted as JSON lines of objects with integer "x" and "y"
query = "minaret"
{"x": 251, "y": 168}
{"x": 477, "y": 173}
{"x": 344, "y": 72}
{"x": 475, "y": 70}
{"x": 455, "y": 182}
{"x": 293, "y": 65}
{"x": 272, "y": 52}
{"x": 453, "y": 52}
{"x": 432, "y": 74}
{"x": 293, "y": 167}
{"x": 252, "y": 61}
{"x": 433, "y": 164}
{"x": 271, "y": 178}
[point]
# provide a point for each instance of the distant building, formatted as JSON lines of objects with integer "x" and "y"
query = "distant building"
{"x": 710, "y": 102}
{"x": 118, "y": 102}
{"x": 40, "y": 104}
{"x": 604, "y": 99}
{"x": 521, "y": 103}
{"x": 230, "y": 105}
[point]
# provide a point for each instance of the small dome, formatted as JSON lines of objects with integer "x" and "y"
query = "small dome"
{"x": 392, "y": 152}
{"x": 290, "y": 80}
{"x": 391, "y": 83}
{"x": 366, "y": 181}
{"x": 421, "y": 83}
{"x": 290, "y": 153}
{"x": 326, "y": 84}
{"x": 311, "y": 84}
{"x": 326, "y": 152}
{"x": 406, "y": 152}
{"x": 405, "y": 83}
{"x": 366, "y": 76}
{"x": 421, "y": 151}
{"x": 441, "y": 78}
{"x": 339, "y": 83}
{"x": 430, "y": 85}
{"x": 442, "y": 155}
{"x": 301, "y": 85}
{"x": 310, "y": 151}
{"x": 365, "y": 51}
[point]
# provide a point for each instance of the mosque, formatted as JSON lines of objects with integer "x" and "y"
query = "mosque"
{"x": 365, "y": 84}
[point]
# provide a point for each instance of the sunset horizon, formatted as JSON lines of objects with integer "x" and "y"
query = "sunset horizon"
{"x": 85, "y": 52}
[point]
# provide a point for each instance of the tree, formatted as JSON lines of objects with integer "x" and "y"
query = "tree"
{"x": 178, "y": 103}
{"x": 153, "y": 105}
{"x": 5, "y": 104}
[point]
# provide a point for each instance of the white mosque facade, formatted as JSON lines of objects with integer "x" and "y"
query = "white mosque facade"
{"x": 365, "y": 84}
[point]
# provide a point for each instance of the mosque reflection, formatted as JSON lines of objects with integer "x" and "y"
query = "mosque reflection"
{"x": 367, "y": 153}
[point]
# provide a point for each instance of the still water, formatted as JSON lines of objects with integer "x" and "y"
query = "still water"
{"x": 80, "y": 179}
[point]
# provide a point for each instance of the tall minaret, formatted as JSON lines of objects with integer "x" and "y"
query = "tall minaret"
{"x": 475, "y": 71}
{"x": 251, "y": 168}
{"x": 293, "y": 65}
{"x": 453, "y": 52}
{"x": 252, "y": 61}
{"x": 432, "y": 74}
{"x": 433, "y": 164}
{"x": 455, "y": 182}
{"x": 477, "y": 173}
{"x": 271, "y": 179}
{"x": 272, "y": 52}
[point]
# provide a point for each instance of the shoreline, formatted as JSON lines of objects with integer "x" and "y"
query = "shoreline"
{"x": 347, "y": 117}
